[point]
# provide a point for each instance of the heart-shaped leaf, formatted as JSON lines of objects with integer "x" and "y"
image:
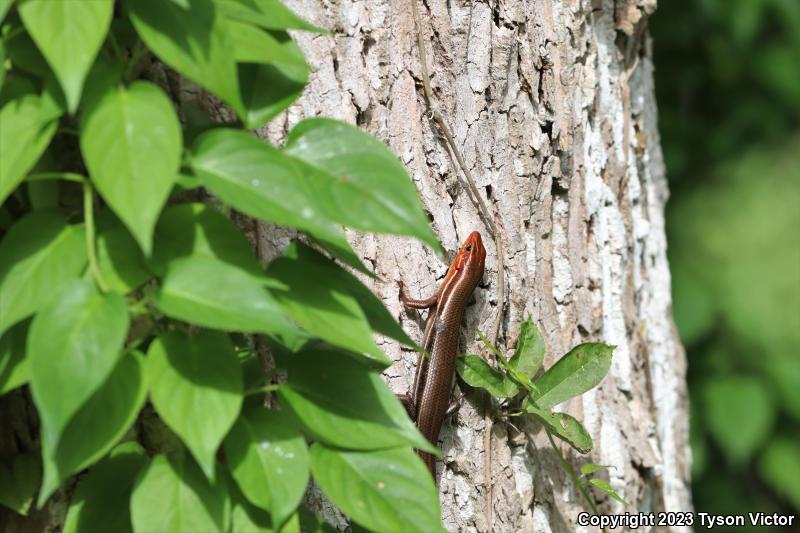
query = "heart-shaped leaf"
{"x": 210, "y": 293}
{"x": 131, "y": 142}
{"x": 196, "y": 388}
{"x": 40, "y": 254}
{"x": 326, "y": 275}
{"x": 327, "y": 310}
{"x": 198, "y": 230}
{"x": 102, "y": 500}
{"x": 69, "y": 34}
{"x": 26, "y": 126}
{"x": 74, "y": 344}
{"x": 173, "y": 495}
{"x": 268, "y": 457}
{"x": 366, "y": 186}
{"x": 342, "y": 402}
{"x": 192, "y": 37}
{"x": 386, "y": 490}
{"x": 262, "y": 182}
{"x": 97, "y": 426}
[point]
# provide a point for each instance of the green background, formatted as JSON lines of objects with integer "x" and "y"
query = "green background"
{"x": 728, "y": 90}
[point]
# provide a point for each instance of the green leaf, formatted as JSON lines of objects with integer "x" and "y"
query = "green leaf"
{"x": 605, "y": 487}
{"x": 15, "y": 87}
{"x": 740, "y": 415}
{"x": 199, "y": 230}
{"x": 4, "y": 7}
{"x": 785, "y": 371}
{"x": 196, "y": 388}
{"x": 13, "y": 364}
{"x": 591, "y": 468}
{"x": 19, "y": 480}
{"x": 337, "y": 279}
{"x": 260, "y": 181}
{"x": 41, "y": 253}
{"x": 136, "y": 171}
{"x": 337, "y": 245}
{"x": 780, "y": 467}
{"x": 173, "y": 495}
{"x": 26, "y": 126}
{"x": 192, "y": 37}
{"x": 22, "y": 51}
{"x": 327, "y": 310}
{"x": 246, "y": 517}
{"x": 477, "y": 373}
{"x": 69, "y": 35}
{"x": 210, "y": 293}
{"x": 97, "y": 426}
{"x": 529, "y": 352}
{"x": 387, "y": 490}
{"x": 102, "y": 500}
{"x": 276, "y": 48}
{"x": 579, "y": 370}
{"x": 121, "y": 262}
{"x": 342, "y": 402}
{"x": 274, "y": 74}
{"x": 367, "y": 188}
{"x": 266, "y": 91}
{"x": 563, "y": 426}
{"x": 2, "y": 64}
{"x": 74, "y": 344}
{"x": 43, "y": 194}
{"x": 268, "y": 458}
{"x": 269, "y": 14}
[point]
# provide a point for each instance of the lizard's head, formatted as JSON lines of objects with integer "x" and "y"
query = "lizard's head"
{"x": 471, "y": 256}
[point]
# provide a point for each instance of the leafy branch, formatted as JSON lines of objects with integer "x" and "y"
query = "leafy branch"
{"x": 130, "y": 311}
{"x": 519, "y": 393}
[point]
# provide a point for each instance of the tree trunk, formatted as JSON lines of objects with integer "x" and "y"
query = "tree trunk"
{"x": 553, "y": 106}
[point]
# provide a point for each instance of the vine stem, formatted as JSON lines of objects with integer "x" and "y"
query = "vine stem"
{"x": 264, "y": 389}
{"x": 568, "y": 467}
{"x": 499, "y": 248}
{"x": 88, "y": 216}
{"x": 67, "y": 176}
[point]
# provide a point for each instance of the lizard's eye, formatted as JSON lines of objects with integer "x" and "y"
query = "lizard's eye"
{"x": 468, "y": 248}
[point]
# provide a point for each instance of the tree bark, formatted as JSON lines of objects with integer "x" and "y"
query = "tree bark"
{"x": 553, "y": 106}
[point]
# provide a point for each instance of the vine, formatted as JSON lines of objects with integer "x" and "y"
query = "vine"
{"x": 130, "y": 314}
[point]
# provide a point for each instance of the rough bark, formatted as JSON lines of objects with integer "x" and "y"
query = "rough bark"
{"x": 552, "y": 103}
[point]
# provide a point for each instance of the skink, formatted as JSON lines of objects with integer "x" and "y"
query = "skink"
{"x": 428, "y": 402}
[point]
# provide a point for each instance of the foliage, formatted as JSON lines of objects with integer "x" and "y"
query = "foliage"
{"x": 519, "y": 394}
{"x": 129, "y": 301}
{"x": 729, "y": 113}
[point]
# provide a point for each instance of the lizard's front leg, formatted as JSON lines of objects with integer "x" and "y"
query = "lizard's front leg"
{"x": 408, "y": 301}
